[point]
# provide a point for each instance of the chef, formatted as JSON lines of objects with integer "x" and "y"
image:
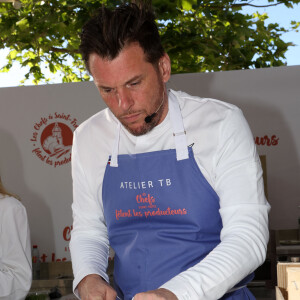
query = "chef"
{"x": 171, "y": 182}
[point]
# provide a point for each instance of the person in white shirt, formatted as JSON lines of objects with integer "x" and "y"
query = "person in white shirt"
{"x": 171, "y": 182}
{"x": 15, "y": 248}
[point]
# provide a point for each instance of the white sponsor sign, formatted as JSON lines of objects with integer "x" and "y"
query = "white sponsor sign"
{"x": 37, "y": 124}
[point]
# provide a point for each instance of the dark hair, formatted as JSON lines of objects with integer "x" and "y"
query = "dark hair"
{"x": 110, "y": 30}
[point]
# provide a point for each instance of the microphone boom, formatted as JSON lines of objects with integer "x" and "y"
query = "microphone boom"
{"x": 148, "y": 119}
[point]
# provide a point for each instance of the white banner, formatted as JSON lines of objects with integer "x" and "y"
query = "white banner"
{"x": 36, "y": 131}
{"x": 37, "y": 124}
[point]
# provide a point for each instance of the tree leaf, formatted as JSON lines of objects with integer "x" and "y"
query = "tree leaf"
{"x": 199, "y": 36}
{"x": 23, "y": 24}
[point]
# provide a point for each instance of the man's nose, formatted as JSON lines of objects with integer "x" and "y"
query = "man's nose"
{"x": 124, "y": 98}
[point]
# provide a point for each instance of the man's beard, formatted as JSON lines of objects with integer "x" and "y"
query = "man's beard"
{"x": 146, "y": 127}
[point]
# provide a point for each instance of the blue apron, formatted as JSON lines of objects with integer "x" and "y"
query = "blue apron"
{"x": 161, "y": 213}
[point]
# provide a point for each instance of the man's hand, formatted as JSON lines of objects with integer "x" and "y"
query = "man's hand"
{"x": 93, "y": 287}
{"x": 160, "y": 294}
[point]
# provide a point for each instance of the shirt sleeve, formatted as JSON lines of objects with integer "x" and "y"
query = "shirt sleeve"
{"x": 89, "y": 241}
{"x": 244, "y": 212}
{"x": 15, "y": 259}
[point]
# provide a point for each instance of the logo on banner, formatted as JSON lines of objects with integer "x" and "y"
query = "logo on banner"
{"x": 52, "y": 138}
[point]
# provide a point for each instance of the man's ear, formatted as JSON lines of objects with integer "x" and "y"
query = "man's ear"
{"x": 164, "y": 66}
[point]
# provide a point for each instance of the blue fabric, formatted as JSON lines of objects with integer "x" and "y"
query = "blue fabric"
{"x": 162, "y": 218}
{"x": 242, "y": 294}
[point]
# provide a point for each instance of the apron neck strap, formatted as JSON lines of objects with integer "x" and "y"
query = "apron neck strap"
{"x": 178, "y": 128}
{"x": 115, "y": 150}
{"x": 178, "y": 133}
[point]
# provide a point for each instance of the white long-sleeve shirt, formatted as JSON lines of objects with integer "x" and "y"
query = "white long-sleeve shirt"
{"x": 225, "y": 152}
{"x": 15, "y": 250}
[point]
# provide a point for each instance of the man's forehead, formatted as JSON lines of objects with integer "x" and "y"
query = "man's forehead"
{"x": 128, "y": 65}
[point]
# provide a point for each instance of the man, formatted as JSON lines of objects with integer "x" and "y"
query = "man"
{"x": 171, "y": 182}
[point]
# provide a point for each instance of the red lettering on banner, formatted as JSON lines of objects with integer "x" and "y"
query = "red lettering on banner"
{"x": 63, "y": 161}
{"x": 57, "y": 259}
{"x": 38, "y": 153}
{"x": 34, "y": 137}
{"x": 38, "y": 125}
{"x": 67, "y": 233}
{"x": 62, "y": 116}
{"x": 74, "y": 123}
{"x": 43, "y": 258}
{"x": 266, "y": 141}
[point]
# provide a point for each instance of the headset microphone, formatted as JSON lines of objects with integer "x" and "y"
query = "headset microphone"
{"x": 148, "y": 119}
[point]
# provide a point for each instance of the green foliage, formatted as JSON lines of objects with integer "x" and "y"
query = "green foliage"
{"x": 198, "y": 35}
